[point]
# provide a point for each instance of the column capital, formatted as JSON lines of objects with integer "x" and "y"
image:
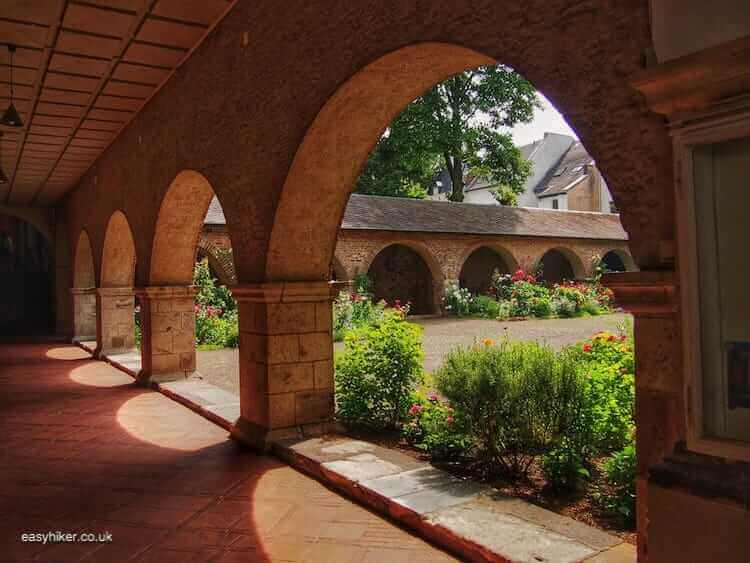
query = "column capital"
{"x": 648, "y": 293}
{"x": 166, "y": 292}
{"x": 83, "y": 291}
{"x": 114, "y": 291}
{"x": 283, "y": 292}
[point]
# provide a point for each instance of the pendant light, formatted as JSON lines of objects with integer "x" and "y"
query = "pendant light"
{"x": 3, "y": 176}
{"x": 11, "y": 118}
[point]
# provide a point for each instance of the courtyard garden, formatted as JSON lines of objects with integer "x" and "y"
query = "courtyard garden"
{"x": 553, "y": 426}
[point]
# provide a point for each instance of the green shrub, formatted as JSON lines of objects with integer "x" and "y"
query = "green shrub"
{"x": 484, "y": 306}
{"x": 353, "y": 310}
{"x": 620, "y": 471}
{"x": 564, "y": 465}
{"x": 216, "y": 320}
{"x": 433, "y": 426}
{"x": 379, "y": 367}
{"x": 541, "y": 306}
{"x": 519, "y": 399}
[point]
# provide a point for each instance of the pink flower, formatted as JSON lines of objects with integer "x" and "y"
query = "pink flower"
{"x": 415, "y": 410}
{"x": 449, "y": 419}
{"x": 432, "y": 397}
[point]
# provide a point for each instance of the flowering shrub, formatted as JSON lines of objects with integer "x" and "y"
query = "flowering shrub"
{"x": 216, "y": 322}
{"x": 457, "y": 300}
{"x": 354, "y": 310}
{"x": 432, "y": 425}
{"x": 608, "y": 362}
{"x": 378, "y": 369}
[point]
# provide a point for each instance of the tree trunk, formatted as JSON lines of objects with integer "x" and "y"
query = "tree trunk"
{"x": 457, "y": 179}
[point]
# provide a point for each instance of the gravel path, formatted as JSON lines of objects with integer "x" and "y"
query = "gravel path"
{"x": 441, "y": 335}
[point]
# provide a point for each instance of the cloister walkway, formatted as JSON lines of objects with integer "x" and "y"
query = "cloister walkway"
{"x": 82, "y": 449}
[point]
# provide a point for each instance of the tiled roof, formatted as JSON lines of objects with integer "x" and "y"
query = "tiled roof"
{"x": 400, "y": 214}
{"x": 378, "y": 213}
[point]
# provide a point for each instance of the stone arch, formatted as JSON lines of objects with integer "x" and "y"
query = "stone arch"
{"x": 84, "y": 271}
{"x": 338, "y": 271}
{"x": 480, "y": 261}
{"x": 118, "y": 254}
{"x": 617, "y": 260}
{"x": 407, "y": 272}
{"x": 335, "y": 149}
{"x": 561, "y": 263}
{"x": 220, "y": 261}
{"x": 178, "y": 228}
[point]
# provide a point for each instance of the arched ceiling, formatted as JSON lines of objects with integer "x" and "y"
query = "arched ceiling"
{"x": 82, "y": 70}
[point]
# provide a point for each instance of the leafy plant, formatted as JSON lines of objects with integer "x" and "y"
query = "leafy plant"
{"x": 432, "y": 425}
{"x": 457, "y": 300}
{"x": 564, "y": 465}
{"x": 620, "y": 473}
{"x": 216, "y": 318}
{"x": 518, "y": 398}
{"x": 379, "y": 367}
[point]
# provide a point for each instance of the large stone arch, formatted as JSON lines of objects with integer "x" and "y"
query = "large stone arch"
{"x": 479, "y": 262}
{"x": 421, "y": 283}
{"x": 337, "y": 143}
{"x": 84, "y": 271}
{"x": 115, "y": 320}
{"x": 118, "y": 253}
{"x": 560, "y": 263}
{"x": 83, "y": 291}
{"x": 178, "y": 228}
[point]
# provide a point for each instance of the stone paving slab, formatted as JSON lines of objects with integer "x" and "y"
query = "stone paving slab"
{"x": 472, "y": 520}
{"x": 209, "y": 401}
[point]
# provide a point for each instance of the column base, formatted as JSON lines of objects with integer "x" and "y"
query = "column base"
{"x": 261, "y": 439}
{"x": 146, "y": 380}
{"x": 84, "y": 338}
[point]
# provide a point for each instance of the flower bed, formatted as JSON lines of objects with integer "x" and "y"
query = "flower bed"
{"x": 521, "y": 295}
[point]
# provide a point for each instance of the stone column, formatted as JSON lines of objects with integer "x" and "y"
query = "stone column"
{"x": 115, "y": 318}
{"x": 167, "y": 333}
{"x": 652, "y": 297}
{"x": 286, "y": 368}
{"x": 84, "y": 313}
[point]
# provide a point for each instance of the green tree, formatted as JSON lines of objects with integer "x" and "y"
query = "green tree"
{"x": 457, "y": 125}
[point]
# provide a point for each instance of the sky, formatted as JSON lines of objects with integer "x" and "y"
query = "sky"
{"x": 545, "y": 119}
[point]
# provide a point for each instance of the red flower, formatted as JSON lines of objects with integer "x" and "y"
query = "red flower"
{"x": 449, "y": 419}
{"x": 415, "y": 410}
{"x": 518, "y": 275}
{"x": 587, "y": 347}
{"x": 611, "y": 338}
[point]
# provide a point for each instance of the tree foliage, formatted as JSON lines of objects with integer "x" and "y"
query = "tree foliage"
{"x": 458, "y": 125}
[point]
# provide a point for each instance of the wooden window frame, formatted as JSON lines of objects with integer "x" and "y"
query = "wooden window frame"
{"x": 727, "y": 122}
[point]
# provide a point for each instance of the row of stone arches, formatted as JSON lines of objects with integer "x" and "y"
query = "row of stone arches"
{"x": 409, "y": 272}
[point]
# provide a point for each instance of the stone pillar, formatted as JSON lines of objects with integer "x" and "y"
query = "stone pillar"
{"x": 115, "y": 320}
{"x": 167, "y": 333}
{"x": 84, "y": 313}
{"x": 286, "y": 368}
{"x": 652, "y": 297}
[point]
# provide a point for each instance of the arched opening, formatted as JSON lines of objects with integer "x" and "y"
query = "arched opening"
{"x": 399, "y": 273}
{"x": 479, "y": 267}
{"x": 189, "y": 274}
{"x": 617, "y": 261}
{"x": 84, "y": 291}
{"x": 27, "y": 274}
{"x": 558, "y": 265}
{"x": 116, "y": 309}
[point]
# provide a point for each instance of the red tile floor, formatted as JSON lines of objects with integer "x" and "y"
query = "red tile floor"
{"x": 84, "y": 450}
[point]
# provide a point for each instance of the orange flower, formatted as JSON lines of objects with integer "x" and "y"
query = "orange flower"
{"x": 488, "y": 342}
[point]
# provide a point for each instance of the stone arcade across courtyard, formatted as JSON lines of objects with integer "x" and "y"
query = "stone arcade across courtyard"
{"x": 133, "y": 117}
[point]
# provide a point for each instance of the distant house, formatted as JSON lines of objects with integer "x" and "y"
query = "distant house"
{"x": 564, "y": 177}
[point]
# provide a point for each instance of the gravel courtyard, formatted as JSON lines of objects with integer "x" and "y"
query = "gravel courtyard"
{"x": 441, "y": 335}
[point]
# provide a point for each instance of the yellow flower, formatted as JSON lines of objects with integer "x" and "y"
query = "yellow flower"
{"x": 488, "y": 342}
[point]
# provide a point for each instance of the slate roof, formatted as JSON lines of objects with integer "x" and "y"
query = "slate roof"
{"x": 569, "y": 171}
{"x": 399, "y": 214}
{"x": 215, "y": 214}
{"x": 380, "y": 213}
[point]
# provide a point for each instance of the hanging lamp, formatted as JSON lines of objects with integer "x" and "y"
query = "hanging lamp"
{"x": 11, "y": 117}
{"x": 3, "y": 176}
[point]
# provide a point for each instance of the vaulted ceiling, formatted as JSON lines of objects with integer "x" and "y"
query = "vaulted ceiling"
{"x": 81, "y": 71}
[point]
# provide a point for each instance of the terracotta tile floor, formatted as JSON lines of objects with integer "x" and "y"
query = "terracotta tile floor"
{"x": 84, "y": 450}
